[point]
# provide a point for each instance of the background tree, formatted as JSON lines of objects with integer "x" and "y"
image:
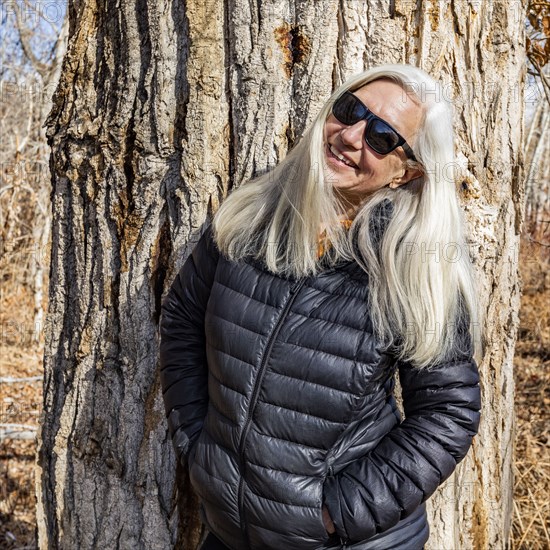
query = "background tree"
{"x": 31, "y": 48}
{"x": 537, "y": 145}
{"x": 163, "y": 107}
{"x": 33, "y": 44}
{"x": 538, "y": 42}
{"x": 532, "y": 357}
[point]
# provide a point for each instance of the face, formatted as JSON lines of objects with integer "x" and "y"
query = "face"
{"x": 366, "y": 171}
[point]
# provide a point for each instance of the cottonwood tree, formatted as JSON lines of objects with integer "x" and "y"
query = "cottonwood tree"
{"x": 161, "y": 108}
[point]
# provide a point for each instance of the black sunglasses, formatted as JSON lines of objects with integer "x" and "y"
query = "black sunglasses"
{"x": 379, "y": 135}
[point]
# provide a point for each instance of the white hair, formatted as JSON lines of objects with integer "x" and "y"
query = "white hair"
{"x": 420, "y": 277}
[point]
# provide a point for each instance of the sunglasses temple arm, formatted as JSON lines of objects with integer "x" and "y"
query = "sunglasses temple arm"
{"x": 409, "y": 152}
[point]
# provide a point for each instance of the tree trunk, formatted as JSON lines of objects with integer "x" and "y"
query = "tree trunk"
{"x": 161, "y": 108}
{"x": 140, "y": 153}
{"x": 537, "y": 180}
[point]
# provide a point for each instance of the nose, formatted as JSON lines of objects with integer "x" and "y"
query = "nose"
{"x": 353, "y": 135}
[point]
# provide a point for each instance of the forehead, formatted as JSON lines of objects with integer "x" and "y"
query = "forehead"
{"x": 389, "y": 101}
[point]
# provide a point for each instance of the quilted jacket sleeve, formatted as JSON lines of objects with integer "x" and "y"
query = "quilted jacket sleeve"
{"x": 442, "y": 412}
{"x": 183, "y": 367}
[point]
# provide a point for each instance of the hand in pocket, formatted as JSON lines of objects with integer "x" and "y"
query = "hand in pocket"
{"x": 329, "y": 525}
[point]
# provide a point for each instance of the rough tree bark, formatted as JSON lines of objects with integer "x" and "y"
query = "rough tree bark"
{"x": 161, "y": 108}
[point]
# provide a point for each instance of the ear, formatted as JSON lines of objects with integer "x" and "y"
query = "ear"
{"x": 408, "y": 175}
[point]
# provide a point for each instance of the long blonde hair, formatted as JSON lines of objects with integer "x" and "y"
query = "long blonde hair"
{"x": 420, "y": 277}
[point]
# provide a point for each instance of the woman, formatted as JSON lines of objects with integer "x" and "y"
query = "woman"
{"x": 283, "y": 330}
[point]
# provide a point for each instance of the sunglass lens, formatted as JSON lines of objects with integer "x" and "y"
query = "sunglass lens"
{"x": 347, "y": 109}
{"x": 381, "y": 137}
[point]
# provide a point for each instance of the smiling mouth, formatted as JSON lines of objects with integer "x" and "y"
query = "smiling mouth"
{"x": 333, "y": 153}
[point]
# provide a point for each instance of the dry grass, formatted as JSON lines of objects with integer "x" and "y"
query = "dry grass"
{"x": 20, "y": 357}
{"x": 531, "y": 522}
{"x": 20, "y": 403}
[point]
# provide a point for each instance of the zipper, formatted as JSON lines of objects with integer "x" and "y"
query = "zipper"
{"x": 254, "y": 399}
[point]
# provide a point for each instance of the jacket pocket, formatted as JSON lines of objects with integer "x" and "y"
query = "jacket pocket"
{"x": 191, "y": 459}
{"x": 324, "y": 535}
{"x": 191, "y": 454}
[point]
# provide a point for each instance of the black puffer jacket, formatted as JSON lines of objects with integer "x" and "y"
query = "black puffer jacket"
{"x": 281, "y": 399}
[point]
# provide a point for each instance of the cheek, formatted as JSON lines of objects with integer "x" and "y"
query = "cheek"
{"x": 387, "y": 166}
{"x": 332, "y": 126}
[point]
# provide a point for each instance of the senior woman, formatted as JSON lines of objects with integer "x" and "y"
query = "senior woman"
{"x": 281, "y": 334}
